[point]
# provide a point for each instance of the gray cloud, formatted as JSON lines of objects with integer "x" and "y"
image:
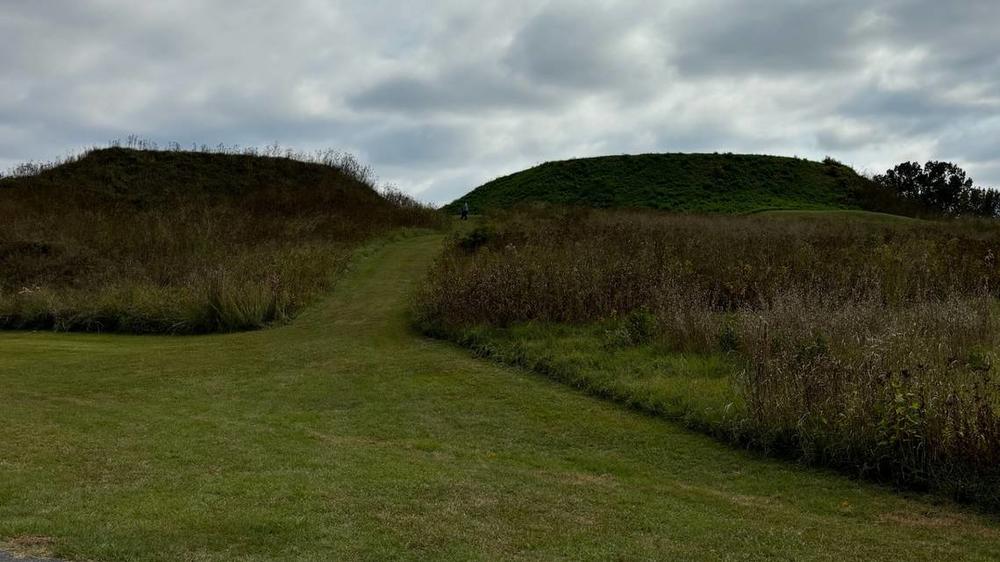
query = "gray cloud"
{"x": 916, "y": 112}
{"x": 418, "y": 145}
{"x": 573, "y": 48}
{"x": 772, "y": 36}
{"x": 457, "y": 90}
{"x": 445, "y": 94}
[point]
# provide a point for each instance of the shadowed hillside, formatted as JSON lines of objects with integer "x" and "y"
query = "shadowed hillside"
{"x": 150, "y": 177}
{"x": 714, "y": 183}
{"x": 182, "y": 242}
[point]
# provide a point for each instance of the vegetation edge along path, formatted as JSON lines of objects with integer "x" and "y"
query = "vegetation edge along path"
{"x": 346, "y": 435}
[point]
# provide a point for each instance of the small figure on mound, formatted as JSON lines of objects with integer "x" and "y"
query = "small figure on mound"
{"x": 465, "y": 211}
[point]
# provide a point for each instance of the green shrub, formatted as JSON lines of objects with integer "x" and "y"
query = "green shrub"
{"x": 636, "y": 328}
{"x": 476, "y": 238}
{"x": 729, "y": 340}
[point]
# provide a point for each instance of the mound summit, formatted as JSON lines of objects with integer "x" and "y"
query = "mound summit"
{"x": 710, "y": 183}
{"x": 152, "y": 178}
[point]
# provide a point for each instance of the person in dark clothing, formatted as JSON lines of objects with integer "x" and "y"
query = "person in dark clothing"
{"x": 465, "y": 211}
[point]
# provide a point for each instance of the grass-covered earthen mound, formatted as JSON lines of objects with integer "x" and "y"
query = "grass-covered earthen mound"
{"x": 183, "y": 242}
{"x": 701, "y": 183}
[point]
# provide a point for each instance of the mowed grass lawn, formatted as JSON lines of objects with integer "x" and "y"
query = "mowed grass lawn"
{"x": 346, "y": 436}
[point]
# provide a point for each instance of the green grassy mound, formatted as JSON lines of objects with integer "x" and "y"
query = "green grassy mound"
{"x": 183, "y": 242}
{"x": 710, "y": 183}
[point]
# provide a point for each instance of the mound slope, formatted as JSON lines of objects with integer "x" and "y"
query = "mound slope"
{"x": 183, "y": 242}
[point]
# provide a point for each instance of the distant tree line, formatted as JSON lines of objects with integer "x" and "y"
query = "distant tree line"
{"x": 940, "y": 187}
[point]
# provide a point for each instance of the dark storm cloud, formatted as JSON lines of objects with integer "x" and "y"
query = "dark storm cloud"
{"x": 915, "y": 111}
{"x": 413, "y": 145}
{"x": 443, "y": 95}
{"x": 457, "y": 90}
{"x": 771, "y": 36}
{"x": 574, "y": 48}
{"x": 963, "y": 32}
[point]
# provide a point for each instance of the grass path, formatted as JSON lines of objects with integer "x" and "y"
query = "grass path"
{"x": 344, "y": 435}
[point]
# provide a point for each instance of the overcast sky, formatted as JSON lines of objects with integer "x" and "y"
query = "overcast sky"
{"x": 442, "y": 95}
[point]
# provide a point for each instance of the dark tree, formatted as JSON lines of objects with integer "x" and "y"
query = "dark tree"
{"x": 940, "y": 186}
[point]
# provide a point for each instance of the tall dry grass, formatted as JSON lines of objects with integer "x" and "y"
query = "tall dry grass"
{"x": 175, "y": 242}
{"x": 865, "y": 345}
